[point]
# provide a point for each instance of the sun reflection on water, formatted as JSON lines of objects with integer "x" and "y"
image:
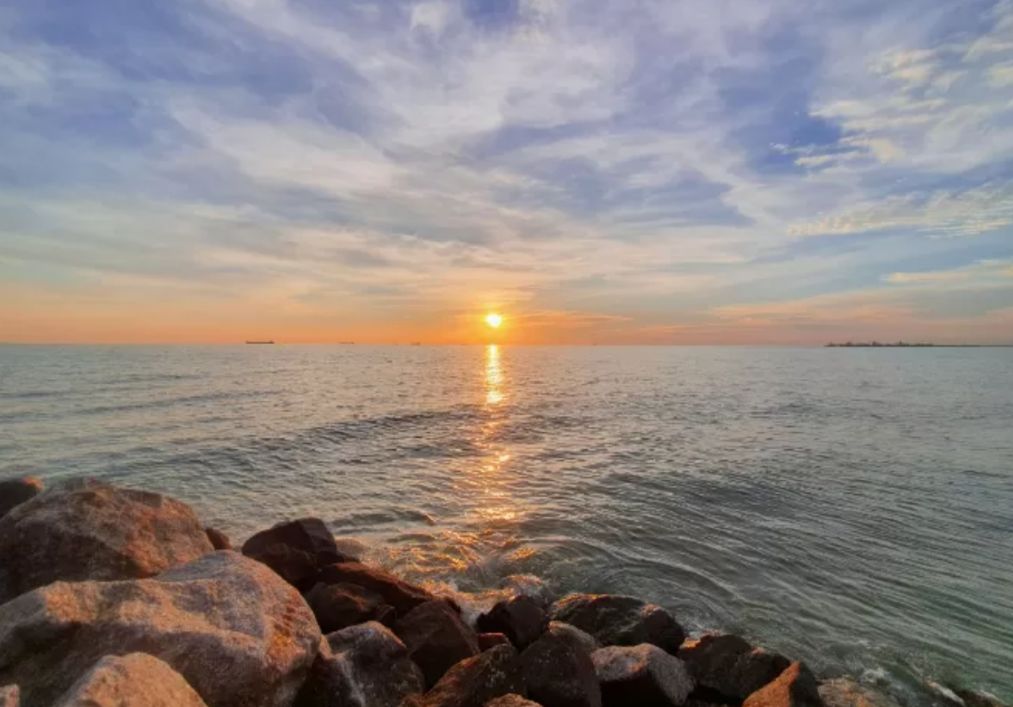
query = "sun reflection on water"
{"x": 493, "y": 376}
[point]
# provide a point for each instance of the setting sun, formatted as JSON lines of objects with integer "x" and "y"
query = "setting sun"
{"x": 494, "y": 320}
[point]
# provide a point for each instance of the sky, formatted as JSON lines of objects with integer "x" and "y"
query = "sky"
{"x": 608, "y": 171}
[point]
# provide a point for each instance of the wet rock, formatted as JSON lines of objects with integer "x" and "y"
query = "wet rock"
{"x": 581, "y": 638}
{"x": 845, "y": 692}
{"x": 436, "y": 638}
{"x": 643, "y": 675}
{"x": 10, "y": 696}
{"x": 400, "y": 594}
{"x": 528, "y": 585}
{"x": 235, "y": 631}
{"x": 132, "y": 680}
{"x": 977, "y": 698}
{"x": 338, "y": 606}
{"x": 14, "y": 492}
{"x": 730, "y": 666}
{"x": 488, "y": 640}
{"x": 475, "y": 681}
{"x": 521, "y": 618}
{"x": 218, "y": 539}
{"x": 89, "y": 530}
{"x": 511, "y": 700}
{"x": 296, "y": 550}
{"x": 361, "y": 666}
{"x": 619, "y": 621}
{"x": 795, "y": 687}
{"x": 558, "y": 672}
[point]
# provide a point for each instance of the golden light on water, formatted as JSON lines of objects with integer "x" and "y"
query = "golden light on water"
{"x": 494, "y": 320}
{"x": 493, "y": 376}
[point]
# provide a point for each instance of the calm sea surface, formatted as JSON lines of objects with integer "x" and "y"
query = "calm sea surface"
{"x": 852, "y": 507}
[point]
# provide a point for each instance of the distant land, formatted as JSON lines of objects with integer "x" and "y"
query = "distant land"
{"x": 905, "y": 344}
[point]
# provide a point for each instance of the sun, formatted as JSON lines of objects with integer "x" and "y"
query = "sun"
{"x": 494, "y": 320}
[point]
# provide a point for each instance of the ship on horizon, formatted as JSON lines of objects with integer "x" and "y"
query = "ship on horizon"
{"x": 260, "y": 341}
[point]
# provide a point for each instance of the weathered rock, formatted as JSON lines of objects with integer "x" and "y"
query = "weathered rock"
{"x": 10, "y": 696}
{"x": 14, "y": 492}
{"x": 488, "y": 640}
{"x": 558, "y": 672}
{"x": 795, "y": 687}
{"x": 338, "y": 606}
{"x": 845, "y": 692}
{"x": 511, "y": 700}
{"x": 642, "y": 675}
{"x": 362, "y": 666}
{"x": 731, "y": 666}
{"x": 90, "y": 530}
{"x": 400, "y": 594}
{"x": 236, "y": 632}
{"x": 218, "y": 539}
{"x": 521, "y": 618}
{"x": 581, "y": 638}
{"x": 475, "y": 681}
{"x": 619, "y": 621}
{"x": 436, "y": 638}
{"x": 132, "y": 680}
{"x": 296, "y": 550}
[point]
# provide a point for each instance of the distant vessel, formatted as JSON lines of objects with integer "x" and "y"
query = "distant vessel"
{"x": 265, "y": 341}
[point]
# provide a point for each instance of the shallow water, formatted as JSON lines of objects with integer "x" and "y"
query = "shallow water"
{"x": 853, "y": 507}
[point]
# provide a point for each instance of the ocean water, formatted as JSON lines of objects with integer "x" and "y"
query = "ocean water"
{"x": 852, "y": 507}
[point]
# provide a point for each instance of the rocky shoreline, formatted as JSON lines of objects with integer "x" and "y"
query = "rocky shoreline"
{"x": 113, "y": 596}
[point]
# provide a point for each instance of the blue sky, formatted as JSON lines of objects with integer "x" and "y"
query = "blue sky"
{"x": 684, "y": 172}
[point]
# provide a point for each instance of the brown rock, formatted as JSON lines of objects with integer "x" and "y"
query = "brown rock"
{"x": 236, "y": 632}
{"x": 581, "y": 638}
{"x": 558, "y": 672}
{"x": 475, "y": 681}
{"x": 132, "y": 680}
{"x": 361, "y": 666}
{"x": 619, "y": 621}
{"x": 296, "y": 550}
{"x": 218, "y": 539}
{"x": 511, "y": 700}
{"x": 845, "y": 692}
{"x": 436, "y": 638}
{"x": 795, "y": 687}
{"x": 338, "y": 606}
{"x": 976, "y": 698}
{"x": 14, "y": 492}
{"x": 644, "y": 675}
{"x": 10, "y": 696}
{"x": 521, "y": 618}
{"x": 488, "y": 640}
{"x": 400, "y": 594}
{"x": 731, "y": 666}
{"x": 90, "y": 530}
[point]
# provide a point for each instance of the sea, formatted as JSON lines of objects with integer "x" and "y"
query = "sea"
{"x": 849, "y": 507}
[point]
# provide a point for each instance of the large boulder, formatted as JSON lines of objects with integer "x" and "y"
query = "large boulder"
{"x": 132, "y": 680}
{"x": 297, "y": 550}
{"x": 14, "y": 492}
{"x": 795, "y": 687}
{"x": 643, "y": 675}
{"x": 475, "y": 681}
{"x": 231, "y": 627}
{"x": 400, "y": 594}
{"x": 10, "y": 696}
{"x": 361, "y": 666}
{"x": 521, "y": 618}
{"x": 89, "y": 530}
{"x": 730, "y": 666}
{"x": 436, "y": 638}
{"x": 845, "y": 692}
{"x": 582, "y": 638}
{"x": 619, "y": 621}
{"x": 558, "y": 671}
{"x": 488, "y": 640}
{"x": 338, "y": 606}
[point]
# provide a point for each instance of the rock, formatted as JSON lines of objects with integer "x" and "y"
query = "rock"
{"x": 436, "y": 638}
{"x": 218, "y": 539}
{"x": 14, "y": 492}
{"x": 87, "y": 529}
{"x": 977, "y": 698}
{"x": 795, "y": 687}
{"x": 296, "y": 550}
{"x": 338, "y": 606}
{"x": 619, "y": 621}
{"x": 132, "y": 680}
{"x": 731, "y": 666}
{"x": 362, "y": 666}
{"x": 511, "y": 700}
{"x": 521, "y": 618}
{"x": 845, "y": 692}
{"x": 488, "y": 640}
{"x": 475, "y": 681}
{"x": 236, "y": 632}
{"x": 642, "y": 675}
{"x": 582, "y": 638}
{"x": 400, "y": 594}
{"x": 530, "y": 586}
{"x": 558, "y": 672}
{"x": 10, "y": 696}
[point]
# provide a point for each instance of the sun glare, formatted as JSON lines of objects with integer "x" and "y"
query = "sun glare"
{"x": 494, "y": 320}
